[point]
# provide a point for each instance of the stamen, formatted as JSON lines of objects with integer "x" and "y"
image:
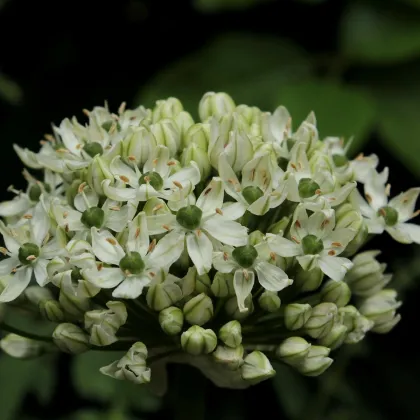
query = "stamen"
{"x": 166, "y": 227}
{"x": 273, "y": 256}
{"x": 336, "y": 244}
{"x": 81, "y": 187}
{"x": 111, "y": 241}
{"x": 31, "y": 258}
{"x": 136, "y": 235}
{"x": 246, "y": 274}
{"x": 219, "y": 211}
{"x": 331, "y": 253}
{"x": 178, "y": 184}
{"x": 297, "y": 224}
{"x": 27, "y": 216}
{"x": 156, "y": 208}
{"x": 151, "y": 246}
{"x": 86, "y": 112}
{"x": 207, "y": 191}
{"x": 132, "y": 158}
{"x": 225, "y": 256}
{"x": 124, "y": 179}
{"x": 295, "y": 240}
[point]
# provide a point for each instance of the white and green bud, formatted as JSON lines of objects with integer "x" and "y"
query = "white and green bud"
{"x": 72, "y": 304}
{"x": 256, "y": 368}
{"x": 336, "y": 292}
{"x": 139, "y": 144}
{"x": 381, "y": 309}
{"x": 231, "y": 357}
{"x": 171, "y": 320}
{"x": 21, "y": 347}
{"x": 293, "y": 350}
{"x": 335, "y": 338}
{"x": 199, "y": 135}
{"x": 222, "y": 285}
{"x": 233, "y": 311}
{"x": 198, "y": 310}
{"x": 37, "y": 294}
{"x": 202, "y": 284}
{"x": 52, "y": 311}
{"x": 168, "y": 108}
{"x": 131, "y": 367}
{"x": 296, "y": 315}
{"x": 231, "y": 334}
{"x": 197, "y": 340}
{"x": 98, "y": 171}
{"x": 357, "y": 324}
{"x": 367, "y": 277}
{"x": 321, "y": 320}
{"x": 70, "y": 338}
{"x": 167, "y": 133}
{"x": 195, "y": 153}
{"x": 163, "y": 295}
{"x": 155, "y": 206}
{"x": 214, "y": 104}
{"x": 316, "y": 362}
{"x": 184, "y": 121}
{"x": 269, "y": 301}
{"x": 308, "y": 281}
{"x": 255, "y": 237}
{"x": 252, "y": 116}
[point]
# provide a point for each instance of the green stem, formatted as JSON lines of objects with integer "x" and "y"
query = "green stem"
{"x": 160, "y": 356}
{"x": 25, "y": 334}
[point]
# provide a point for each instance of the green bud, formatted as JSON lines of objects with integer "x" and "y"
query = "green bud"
{"x": 307, "y": 188}
{"x": 37, "y": 294}
{"x": 335, "y": 338}
{"x": 98, "y": 171}
{"x": 184, "y": 121}
{"x": 70, "y": 338}
{"x": 171, "y": 320}
{"x": 222, "y": 285}
{"x": 311, "y": 245}
{"x": 293, "y": 350}
{"x": 168, "y": 134}
{"x": 316, "y": 362}
{"x": 245, "y": 255}
{"x": 203, "y": 284}
{"x": 381, "y": 309}
{"x": 340, "y": 160}
{"x": 189, "y": 217}
{"x": 138, "y": 144}
{"x": 215, "y": 104}
{"x": 93, "y": 149}
{"x": 197, "y": 340}
{"x": 256, "y": 368}
{"x": 357, "y": 325}
{"x": 336, "y": 292}
{"x": 188, "y": 282}
{"x": 389, "y": 214}
{"x": 93, "y": 217}
{"x": 72, "y": 190}
{"x": 163, "y": 295}
{"x": 269, "y": 301}
{"x": 168, "y": 108}
{"x": 230, "y": 357}
{"x": 308, "y": 281}
{"x": 321, "y": 320}
{"x": 132, "y": 263}
{"x": 21, "y": 347}
{"x": 255, "y": 237}
{"x": 111, "y": 126}
{"x": 231, "y": 334}
{"x": 198, "y": 310}
{"x": 232, "y": 309}
{"x": 296, "y": 315}
{"x": 252, "y": 114}
{"x": 52, "y": 311}
{"x": 199, "y": 135}
{"x": 28, "y": 253}
{"x": 73, "y": 305}
{"x": 152, "y": 178}
{"x": 252, "y": 194}
{"x": 195, "y": 153}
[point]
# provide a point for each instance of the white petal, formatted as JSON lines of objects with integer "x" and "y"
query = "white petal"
{"x": 11, "y": 243}
{"x": 308, "y": 262}
{"x": 155, "y": 223}
{"x": 229, "y": 178}
{"x": 105, "y": 278}
{"x": 29, "y": 158}
{"x": 226, "y": 231}
{"x": 300, "y": 224}
{"x": 239, "y": 149}
{"x": 200, "y": 250}
{"x": 339, "y": 196}
{"x": 119, "y": 193}
{"x": 40, "y": 224}
{"x": 271, "y": 277}
{"x": 360, "y": 203}
{"x": 84, "y": 260}
{"x": 168, "y": 249}
{"x": 256, "y": 173}
{"x": 68, "y": 137}
{"x": 405, "y": 203}
{"x": 123, "y": 172}
{"x": 243, "y": 287}
{"x": 233, "y": 211}
{"x": 338, "y": 240}
{"x": 40, "y": 271}
{"x": 293, "y": 189}
{"x": 18, "y": 205}
{"x": 116, "y": 220}
{"x": 146, "y": 191}
{"x": 138, "y": 234}
{"x": 335, "y": 267}
{"x": 106, "y": 247}
{"x": 261, "y": 206}
{"x": 284, "y": 248}
{"x": 321, "y": 223}
{"x": 15, "y": 284}
{"x": 131, "y": 287}
{"x": 66, "y": 217}
{"x": 375, "y": 188}
{"x": 158, "y": 161}
{"x": 405, "y": 233}
{"x": 211, "y": 198}
{"x": 7, "y": 265}
{"x": 223, "y": 264}
{"x": 189, "y": 174}
{"x": 91, "y": 196}
{"x": 362, "y": 166}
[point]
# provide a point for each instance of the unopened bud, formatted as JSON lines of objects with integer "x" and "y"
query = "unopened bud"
{"x": 357, "y": 324}
{"x": 198, "y": 310}
{"x": 167, "y": 133}
{"x": 37, "y": 294}
{"x": 197, "y": 340}
{"x": 195, "y": 153}
{"x": 21, "y": 347}
{"x": 163, "y": 295}
{"x": 171, "y": 320}
{"x": 269, "y": 301}
{"x": 52, "y": 311}
{"x": 230, "y": 357}
{"x": 335, "y": 338}
{"x": 255, "y": 237}
{"x": 231, "y": 334}
{"x": 70, "y": 338}
{"x": 256, "y": 368}
{"x": 168, "y": 108}
{"x": 336, "y": 292}
{"x": 139, "y": 144}
{"x": 321, "y": 320}
{"x": 308, "y": 281}
{"x": 296, "y": 315}
{"x": 203, "y": 284}
{"x": 98, "y": 171}
{"x": 293, "y": 350}
{"x": 199, "y": 135}
{"x": 316, "y": 362}
{"x": 215, "y": 104}
{"x": 222, "y": 285}
{"x": 233, "y": 311}
{"x": 184, "y": 121}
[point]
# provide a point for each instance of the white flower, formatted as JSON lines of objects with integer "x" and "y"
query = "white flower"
{"x": 202, "y": 226}
{"x": 315, "y": 242}
{"x": 392, "y": 215}
{"x": 245, "y": 261}
{"x": 29, "y": 247}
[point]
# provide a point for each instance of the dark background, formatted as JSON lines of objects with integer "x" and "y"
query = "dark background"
{"x": 355, "y": 62}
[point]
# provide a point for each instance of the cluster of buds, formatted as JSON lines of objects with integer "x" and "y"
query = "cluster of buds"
{"x": 233, "y": 240}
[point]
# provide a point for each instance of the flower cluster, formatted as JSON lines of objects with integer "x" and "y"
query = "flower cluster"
{"x": 227, "y": 243}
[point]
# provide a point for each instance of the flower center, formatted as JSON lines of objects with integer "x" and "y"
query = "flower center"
{"x": 93, "y": 149}
{"x": 189, "y": 217}
{"x": 311, "y": 245}
{"x": 28, "y": 253}
{"x": 75, "y": 274}
{"x": 389, "y": 214}
{"x": 107, "y": 125}
{"x": 340, "y": 160}
{"x": 152, "y": 178}
{"x": 252, "y": 194}
{"x": 35, "y": 191}
{"x": 307, "y": 187}
{"x": 245, "y": 255}
{"x": 93, "y": 217}
{"x": 132, "y": 263}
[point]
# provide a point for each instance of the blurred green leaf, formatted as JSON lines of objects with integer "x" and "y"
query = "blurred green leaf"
{"x": 379, "y": 35}
{"x": 10, "y": 90}
{"x": 43, "y": 383}
{"x": 92, "y": 414}
{"x": 340, "y": 110}
{"x": 210, "y": 6}
{"x": 251, "y": 68}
